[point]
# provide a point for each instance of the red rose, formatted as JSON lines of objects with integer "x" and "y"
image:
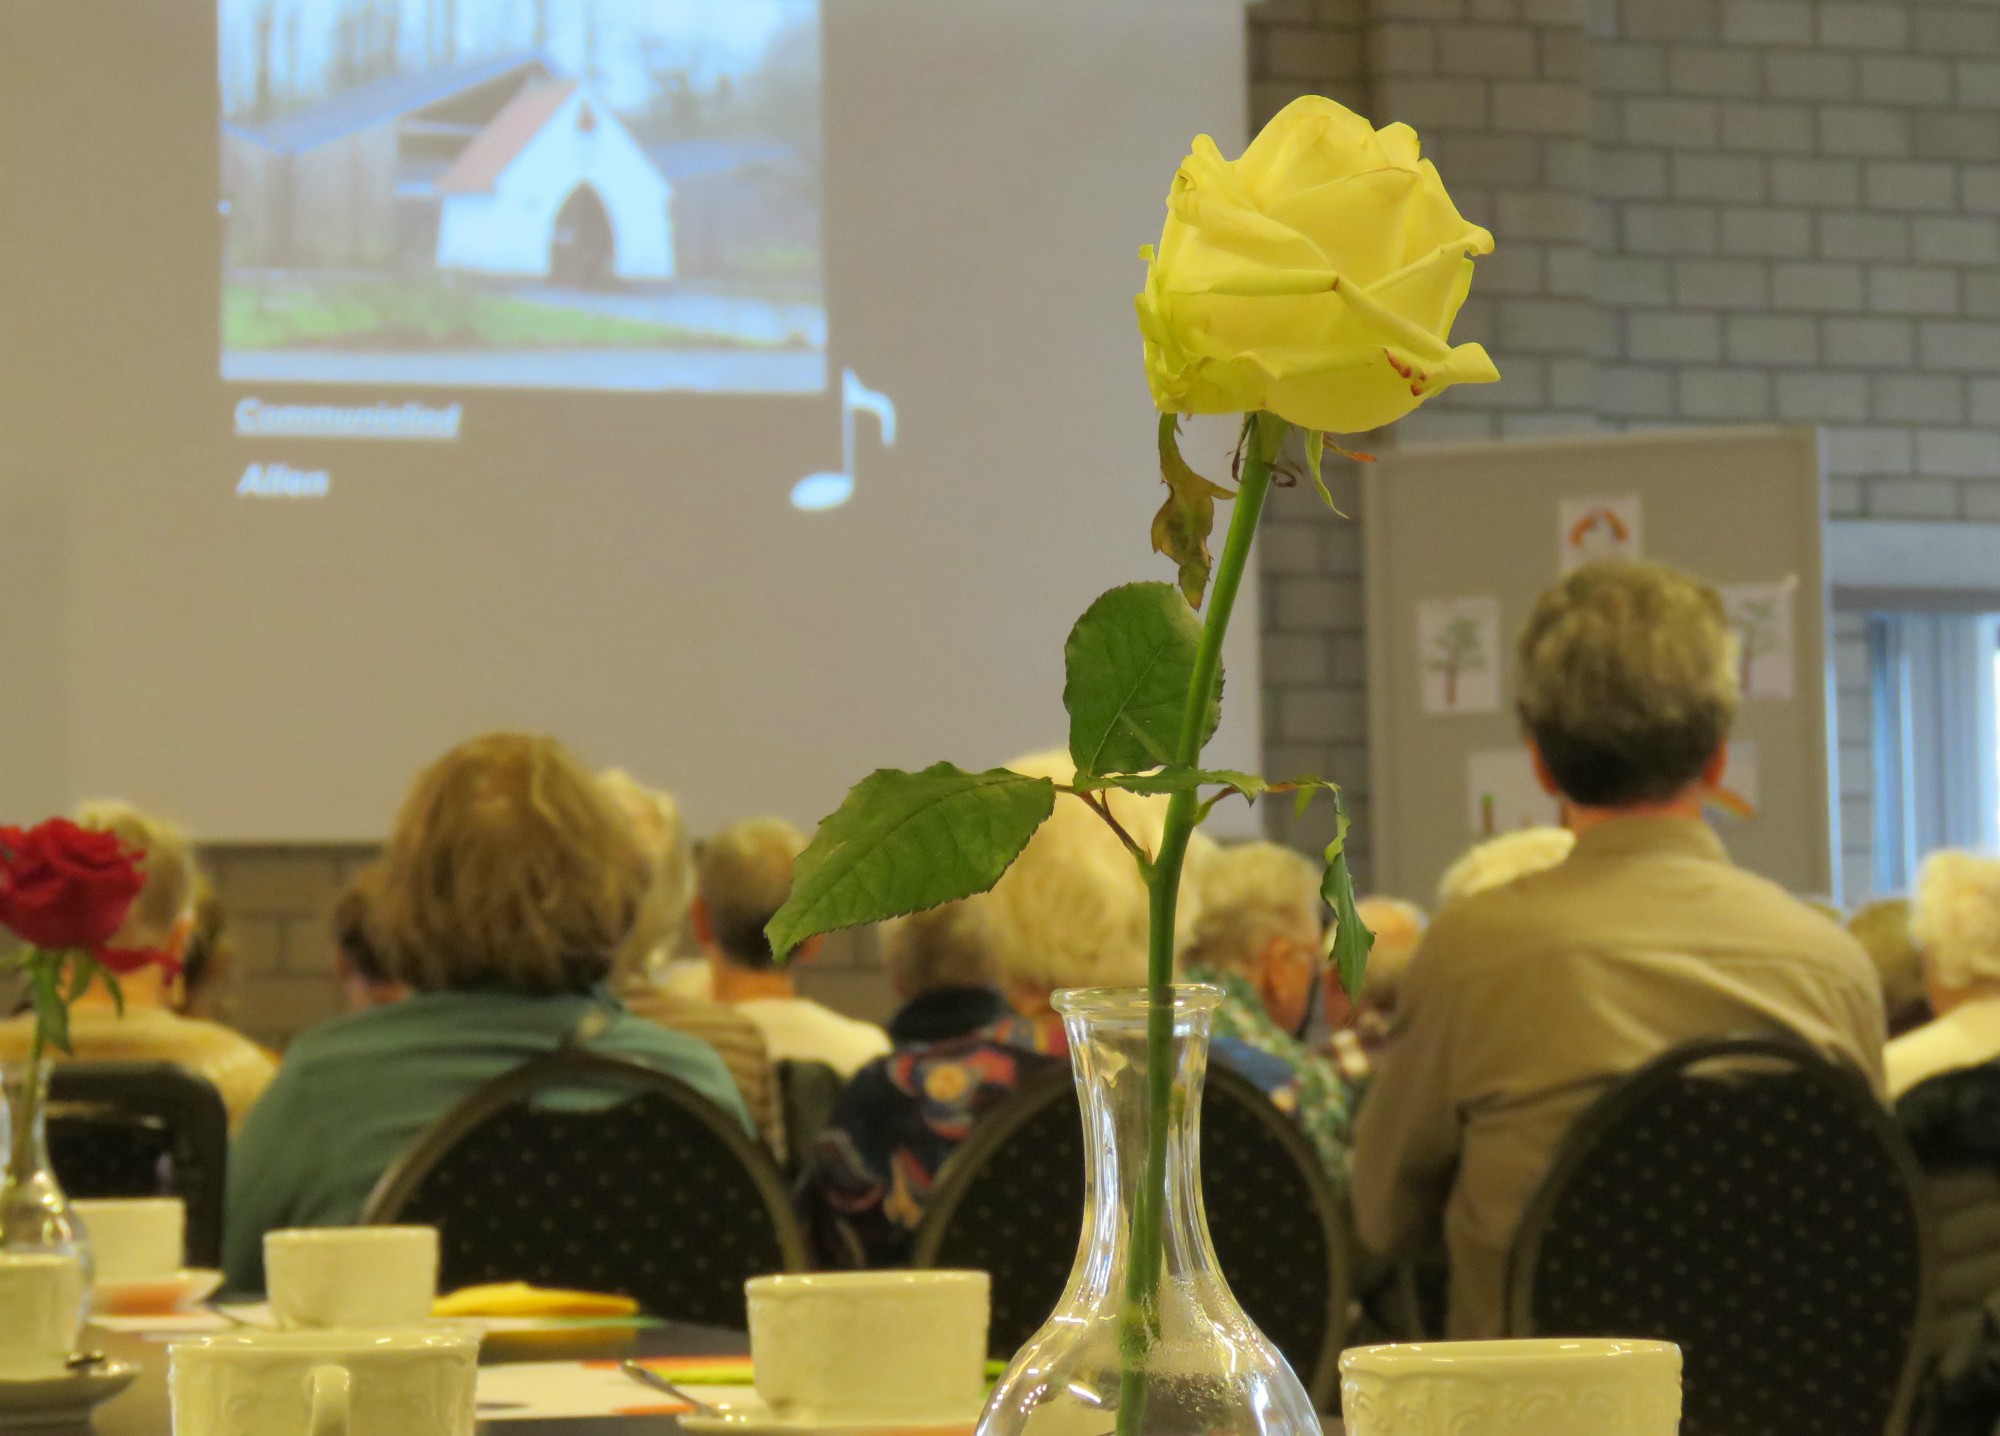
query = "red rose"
{"x": 62, "y": 886}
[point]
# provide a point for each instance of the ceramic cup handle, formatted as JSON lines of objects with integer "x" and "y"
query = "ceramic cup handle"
{"x": 330, "y": 1386}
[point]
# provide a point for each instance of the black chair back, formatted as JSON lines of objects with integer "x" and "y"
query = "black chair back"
{"x": 589, "y": 1173}
{"x": 1010, "y": 1203}
{"x": 1753, "y": 1203}
{"x": 1952, "y": 1121}
{"x": 143, "y": 1129}
{"x": 807, "y": 1094}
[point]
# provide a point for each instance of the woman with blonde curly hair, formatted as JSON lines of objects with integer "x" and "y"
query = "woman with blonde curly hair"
{"x": 1955, "y": 923}
{"x": 507, "y": 888}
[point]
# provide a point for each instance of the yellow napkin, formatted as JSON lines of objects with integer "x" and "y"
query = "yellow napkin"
{"x": 516, "y": 1298}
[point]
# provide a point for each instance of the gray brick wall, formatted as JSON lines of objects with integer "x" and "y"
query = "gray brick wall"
{"x": 278, "y": 901}
{"x": 1707, "y": 211}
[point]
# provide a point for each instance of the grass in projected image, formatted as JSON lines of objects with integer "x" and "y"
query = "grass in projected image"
{"x": 523, "y": 193}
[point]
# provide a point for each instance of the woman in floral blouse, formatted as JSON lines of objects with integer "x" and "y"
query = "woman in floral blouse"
{"x": 959, "y": 1051}
{"x": 1259, "y": 939}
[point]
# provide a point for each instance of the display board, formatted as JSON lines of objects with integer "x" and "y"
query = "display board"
{"x": 1460, "y": 540}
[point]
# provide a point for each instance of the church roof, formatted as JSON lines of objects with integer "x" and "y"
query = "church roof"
{"x": 495, "y": 147}
{"x": 386, "y": 99}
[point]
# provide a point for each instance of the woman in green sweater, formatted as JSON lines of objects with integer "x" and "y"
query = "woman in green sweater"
{"x": 508, "y": 884}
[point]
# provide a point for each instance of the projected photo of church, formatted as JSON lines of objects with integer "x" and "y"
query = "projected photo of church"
{"x": 571, "y": 194}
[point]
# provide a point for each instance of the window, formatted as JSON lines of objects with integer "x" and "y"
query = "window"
{"x": 1935, "y": 694}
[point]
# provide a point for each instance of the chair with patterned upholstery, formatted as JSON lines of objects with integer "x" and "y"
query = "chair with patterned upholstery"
{"x": 590, "y": 1173}
{"x": 1753, "y": 1203}
{"x": 143, "y": 1129}
{"x": 807, "y": 1094}
{"x": 1010, "y": 1203}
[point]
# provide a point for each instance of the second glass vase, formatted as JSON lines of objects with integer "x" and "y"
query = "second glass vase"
{"x": 1208, "y": 1371}
{"x": 35, "y": 1216}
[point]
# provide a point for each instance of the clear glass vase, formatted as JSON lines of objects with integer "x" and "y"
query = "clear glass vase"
{"x": 35, "y": 1216}
{"x": 1208, "y": 1371}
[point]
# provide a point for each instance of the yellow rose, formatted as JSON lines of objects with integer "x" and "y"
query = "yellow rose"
{"x": 1317, "y": 277}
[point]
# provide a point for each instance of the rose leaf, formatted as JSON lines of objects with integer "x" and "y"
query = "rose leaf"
{"x": 1184, "y": 522}
{"x": 902, "y": 842}
{"x": 1128, "y": 664}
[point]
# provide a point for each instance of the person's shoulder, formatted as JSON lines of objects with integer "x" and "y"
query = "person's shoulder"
{"x": 629, "y": 1034}
{"x": 351, "y": 1035}
{"x": 1493, "y": 927}
{"x": 1941, "y": 1045}
{"x": 225, "y": 1041}
{"x": 704, "y": 1019}
{"x": 1795, "y": 927}
{"x": 847, "y": 1030}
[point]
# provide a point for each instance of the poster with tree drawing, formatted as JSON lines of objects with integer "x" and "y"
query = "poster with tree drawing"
{"x": 1761, "y": 615}
{"x": 1458, "y": 648}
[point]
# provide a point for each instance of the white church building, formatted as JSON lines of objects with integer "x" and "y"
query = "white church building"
{"x": 555, "y": 186}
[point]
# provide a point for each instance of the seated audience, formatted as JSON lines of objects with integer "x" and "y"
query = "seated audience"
{"x": 1955, "y": 922}
{"x": 743, "y": 877}
{"x": 507, "y": 886}
{"x": 1398, "y": 927}
{"x": 959, "y": 1051}
{"x": 655, "y": 939}
{"x": 1073, "y": 911}
{"x": 1527, "y": 1001}
{"x": 1259, "y": 940}
{"x": 150, "y": 1029}
{"x": 357, "y": 958}
{"x": 1498, "y": 861}
{"x": 1882, "y": 927}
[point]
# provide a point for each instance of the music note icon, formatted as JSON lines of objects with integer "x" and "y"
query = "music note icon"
{"x": 816, "y": 492}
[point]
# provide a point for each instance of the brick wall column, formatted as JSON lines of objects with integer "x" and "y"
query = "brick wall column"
{"x": 1499, "y": 91}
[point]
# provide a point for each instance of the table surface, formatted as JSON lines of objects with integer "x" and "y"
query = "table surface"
{"x": 143, "y": 1410}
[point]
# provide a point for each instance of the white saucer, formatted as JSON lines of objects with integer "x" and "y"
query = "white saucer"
{"x": 747, "y": 1415}
{"x": 153, "y": 1295}
{"x": 65, "y": 1400}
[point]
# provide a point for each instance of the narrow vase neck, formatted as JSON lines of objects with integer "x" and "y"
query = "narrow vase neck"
{"x": 27, "y": 1091}
{"x": 1107, "y": 1038}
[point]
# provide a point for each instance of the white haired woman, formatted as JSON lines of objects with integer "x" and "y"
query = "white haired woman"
{"x": 1259, "y": 941}
{"x": 1955, "y": 922}
{"x": 1071, "y": 911}
{"x": 1501, "y": 860}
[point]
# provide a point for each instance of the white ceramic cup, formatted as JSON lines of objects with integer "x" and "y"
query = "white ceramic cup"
{"x": 41, "y": 1307}
{"x": 904, "y": 1346}
{"x": 340, "y": 1278}
{"x": 1559, "y": 1386}
{"x": 325, "y": 1383}
{"x": 135, "y": 1238}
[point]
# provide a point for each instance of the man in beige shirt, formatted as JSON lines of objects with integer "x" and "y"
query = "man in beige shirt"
{"x": 1525, "y": 1003}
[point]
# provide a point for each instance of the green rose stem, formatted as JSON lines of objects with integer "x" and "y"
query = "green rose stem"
{"x": 1139, "y": 1322}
